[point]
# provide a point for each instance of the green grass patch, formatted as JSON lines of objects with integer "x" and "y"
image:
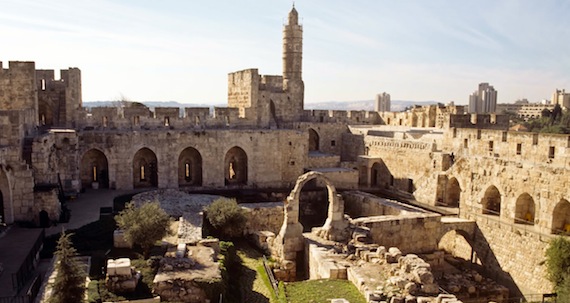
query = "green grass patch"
{"x": 322, "y": 291}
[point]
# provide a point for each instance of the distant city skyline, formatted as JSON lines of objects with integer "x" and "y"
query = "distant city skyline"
{"x": 182, "y": 51}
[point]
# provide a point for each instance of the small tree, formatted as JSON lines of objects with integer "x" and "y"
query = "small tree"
{"x": 558, "y": 266}
{"x": 69, "y": 285}
{"x": 144, "y": 225}
{"x": 227, "y": 217}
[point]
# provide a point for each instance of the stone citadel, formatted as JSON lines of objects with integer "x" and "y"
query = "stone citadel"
{"x": 513, "y": 185}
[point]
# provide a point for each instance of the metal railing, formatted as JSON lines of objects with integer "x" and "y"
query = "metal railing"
{"x": 272, "y": 280}
{"x": 20, "y": 277}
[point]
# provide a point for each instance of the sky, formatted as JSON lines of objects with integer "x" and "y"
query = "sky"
{"x": 183, "y": 50}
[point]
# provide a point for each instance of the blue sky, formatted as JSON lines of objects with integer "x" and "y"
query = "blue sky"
{"x": 183, "y": 50}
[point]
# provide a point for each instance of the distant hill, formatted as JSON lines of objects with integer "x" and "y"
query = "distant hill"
{"x": 367, "y": 105}
{"x": 151, "y": 104}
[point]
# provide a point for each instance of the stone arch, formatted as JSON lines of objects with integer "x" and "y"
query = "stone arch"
{"x": 94, "y": 169}
{"x": 458, "y": 243}
{"x": 561, "y": 217}
{"x": 235, "y": 166}
{"x": 314, "y": 140}
{"x": 289, "y": 245}
{"x": 525, "y": 209}
{"x": 145, "y": 168}
{"x": 5, "y": 198}
{"x": 491, "y": 202}
{"x": 452, "y": 193}
{"x": 190, "y": 167}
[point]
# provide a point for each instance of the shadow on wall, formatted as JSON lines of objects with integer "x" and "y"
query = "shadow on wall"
{"x": 490, "y": 265}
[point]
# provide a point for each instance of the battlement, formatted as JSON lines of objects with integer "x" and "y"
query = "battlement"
{"x": 481, "y": 121}
{"x": 130, "y": 118}
{"x": 341, "y": 116}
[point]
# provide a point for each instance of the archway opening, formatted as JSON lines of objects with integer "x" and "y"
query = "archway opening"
{"x": 94, "y": 169}
{"x": 491, "y": 202}
{"x": 313, "y": 140}
{"x": 524, "y": 210}
{"x": 313, "y": 205}
{"x": 455, "y": 243}
{"x": 380, "y": 175}
{"x": 189, "y": 168}
{"x": 452, "y": 193}
{"x": 235, "y": 166}
{"x": 561, "y": 218}
{"x": 145, "y": 169}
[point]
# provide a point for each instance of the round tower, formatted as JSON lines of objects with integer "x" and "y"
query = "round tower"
{"x": 292, "y": 48}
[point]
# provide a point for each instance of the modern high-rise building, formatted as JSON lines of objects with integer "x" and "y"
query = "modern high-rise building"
{"x": 561, "y": 97}
{"x": 382, "y": 102}
{"x": 484, "y": 100}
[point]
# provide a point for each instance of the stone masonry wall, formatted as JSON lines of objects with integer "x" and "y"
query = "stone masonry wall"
{"x": 411, "y": 233}
{"x": 275, "y": 158}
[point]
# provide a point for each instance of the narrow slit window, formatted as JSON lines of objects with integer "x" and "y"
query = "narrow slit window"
{"x": 142, "y": 173}
{"x": 551, "y": 151}
{"x": 95, "y": 173}
{"x": 519, "y": 148}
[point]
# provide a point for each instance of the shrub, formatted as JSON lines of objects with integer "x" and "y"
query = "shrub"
{"x": 144, "y": 225}
{"x": 226, "y": 217}
{"x": 558, "y": 266}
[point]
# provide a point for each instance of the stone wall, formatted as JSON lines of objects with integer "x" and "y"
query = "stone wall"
{"x": 18, "y": 87}
{"x": 514, "y": 254}
{"x": 47, "y": 200}
{"x": 361, "y": 204}
{"x": 330, "y": 135}
{"x": 275, "y": 158}
{"x": 412, "y": 233}
{"x": 263, "y": 216}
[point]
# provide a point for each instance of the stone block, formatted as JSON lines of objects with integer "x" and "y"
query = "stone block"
{"x": 181, "y": 250}
{"x": 212, "y": 243}
{"x": 393, "y": 255}
{"x": 123, "y": 267}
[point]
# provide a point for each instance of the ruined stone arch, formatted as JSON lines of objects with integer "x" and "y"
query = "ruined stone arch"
{"x": 525, "y": 209}
{"x": 458, "y": 243}
{"x": 314, "y": 140}
{"x": 335, "y": 217}
{"x": 145, "y": 168}
{"x": 452, "y": 196}
{"x": 6, "y": 211}
{"x": 190, "y": 167}
{"x": 561, "y": 217}
{"x": 94, "y": 168}
{"x": 289, "y": 245}
{"x": 235, "y": 166}
{"x": 491, "y": 201}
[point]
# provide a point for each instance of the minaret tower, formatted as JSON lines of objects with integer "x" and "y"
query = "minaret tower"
{"x": 293, "y": 58}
